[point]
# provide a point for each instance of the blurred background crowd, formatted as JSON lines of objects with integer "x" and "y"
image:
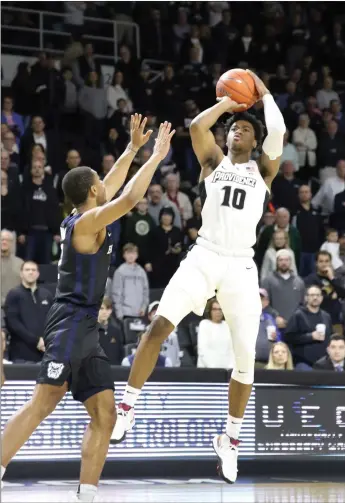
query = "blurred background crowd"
{"x": 63, "y": 110}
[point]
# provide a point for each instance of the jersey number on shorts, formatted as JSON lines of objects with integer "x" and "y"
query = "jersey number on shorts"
{"x": 237, "y": 199}
{"x": 63, "y": 235}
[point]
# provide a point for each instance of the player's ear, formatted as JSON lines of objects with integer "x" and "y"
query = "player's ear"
{"x": 93, "y": 190}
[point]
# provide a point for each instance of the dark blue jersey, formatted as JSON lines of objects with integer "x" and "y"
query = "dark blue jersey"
{"x": 82, "y": 277}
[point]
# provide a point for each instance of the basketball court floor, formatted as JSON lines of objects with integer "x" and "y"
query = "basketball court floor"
{"x": 269, "y": 490}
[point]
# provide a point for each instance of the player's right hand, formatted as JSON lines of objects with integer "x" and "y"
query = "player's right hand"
{"x": 138, "y": 138}
{"x": 261, "y": 89}
{"x": 231, "y": 105}
{"x": 163, "y": 140}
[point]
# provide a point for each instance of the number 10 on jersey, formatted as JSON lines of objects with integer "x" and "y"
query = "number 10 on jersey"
{"x": 237, "y": 199}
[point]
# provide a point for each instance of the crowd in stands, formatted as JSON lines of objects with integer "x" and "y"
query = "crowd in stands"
{"x": 57, "y": 117}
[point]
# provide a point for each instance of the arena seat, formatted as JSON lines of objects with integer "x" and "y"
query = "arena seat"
{"x": 132, "y": 328}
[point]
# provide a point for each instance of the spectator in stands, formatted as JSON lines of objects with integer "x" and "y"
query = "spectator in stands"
{"x": 170, "y": 347}
{"x": 10, "y": 264}
{"x": 268, "y": 333}
{"x": 289, "y": 152}
{"x": 109, "y": 334}
{"x": 130, "y": 288}
{"x": 156, "y": 204}
{"x": 338, "y": 215}
{"x": 181, "y": 29}
{"x": 115, "y": 92}
{"x": 308, "y": 331}
{"x": 285, "y": 188}
{"x": 305, "y": 141}
{"x": 10, "y": 205}
{"x": 309, "y": 223}
{"x": 224, "y": 35}
{"x": 21, "y": 87}
{"x": 331, "y": 245}
{"x": 338, "y": 115}
{"x": 325, "y": 95}
{"x": 335, "y": 358}
{"x": 332, "y": 288}
{"x": 155, "y": 36}
{"x": 138, "y": 229}
{"x": 331, "y": 149}
{"x": 10, "y": 169}
{"x": 26, "y": 308}
{"x": 42, "y": 216}
{"x": 167, "y": 94}
{"x": 70, "y": 98}
{"x": 174, "y": 195}
{"x": 9, "y": 144}
{"x": 280, "y": 357}
{"x": 74, "y": 18}
{"x": 113, "y": 143}
{"x": 246, "y": 46}
{"x": 85, "y": 65}
{"x": 215, "y": 348}
{"x": 12, "y": 119}
{"x": 128, "y": 66}
{"x": 282, "y": 223}
{"x": 324, "y": 199}
{"x": 279, "y": 241}
{"x": 108, "y": 161}
{"x": 193, "y": 224}
{"x": 342, "y": 247}
{"x": 162, "y": 361}
{"x": 92, "y": 99}
{"x": 168, "y": 246}
{"x": 37, "y": 134}
{"x": 285, "y": 289}
{"x": 73, "y": 160}
{"x": 119, "y": 121}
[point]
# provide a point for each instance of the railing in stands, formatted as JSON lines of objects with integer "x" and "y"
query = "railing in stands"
{"x": 48, "y": 33}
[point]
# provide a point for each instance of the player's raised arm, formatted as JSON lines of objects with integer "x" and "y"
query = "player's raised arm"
{"x": 209, "y": 154}
{"x": 97, "y": 218}
{"x": 275, "y": 125}
{"x": 117, "y": 175}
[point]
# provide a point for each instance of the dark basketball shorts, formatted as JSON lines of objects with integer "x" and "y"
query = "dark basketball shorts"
{"x": 73, "y": 353}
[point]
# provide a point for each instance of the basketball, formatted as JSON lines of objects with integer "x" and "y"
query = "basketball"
{"x": 239, "y": 86}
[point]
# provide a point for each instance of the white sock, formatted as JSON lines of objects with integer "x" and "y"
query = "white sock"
{"x": 3, "y": 469}
{"x": 131, "y": 395}
{"x": 233, "y": 426}
{"x": 87, "y": 492}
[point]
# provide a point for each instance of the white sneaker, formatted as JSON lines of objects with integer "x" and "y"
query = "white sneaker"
{"x": 124, "y": 423}
{"x": 226, "y": 449}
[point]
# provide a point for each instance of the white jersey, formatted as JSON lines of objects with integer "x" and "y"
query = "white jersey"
{"x": 233, "y": 198}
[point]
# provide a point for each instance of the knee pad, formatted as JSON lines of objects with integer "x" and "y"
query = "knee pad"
{"x": 243, "y": 370}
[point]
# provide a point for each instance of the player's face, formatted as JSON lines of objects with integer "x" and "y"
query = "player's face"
{"x": 241, "y": 137}
{"x": 100, "y": 191}
{"x": 336, "y": 351}
{"x": 280, "y": 354}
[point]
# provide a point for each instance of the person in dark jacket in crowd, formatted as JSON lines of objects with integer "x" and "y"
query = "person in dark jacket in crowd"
{"x": 337, "y": 218}
{"x": 332, "y": 287}
{"x": 285, "y": 188}
{"x": 110, "y": 336}
{"x": 308, "y": 221}
{"x": 26, "y": 308}
{"x": 42, "y": 215}
{"x": 268, "y": 333}
{"x": 167, "y": 249}
{"x": 193, "y": 224}
{"x": 138, "y": 229}
{"x": 335, "y": 358}
{"x": 308, "y": 331}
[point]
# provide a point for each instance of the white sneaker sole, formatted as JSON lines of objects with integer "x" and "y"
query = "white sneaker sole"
{"x": 220, "y": 462}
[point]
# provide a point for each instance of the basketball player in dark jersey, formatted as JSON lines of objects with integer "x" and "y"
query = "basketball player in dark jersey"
{"x": 73, "y": 358}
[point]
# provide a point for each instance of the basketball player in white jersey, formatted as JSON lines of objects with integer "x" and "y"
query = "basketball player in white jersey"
{"x": 234, "y": 191}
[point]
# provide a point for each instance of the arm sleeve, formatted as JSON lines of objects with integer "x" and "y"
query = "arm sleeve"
{"x": 273, "y": 144}
{"x": 14, "y": 323}
{"x": 117, "y": 294}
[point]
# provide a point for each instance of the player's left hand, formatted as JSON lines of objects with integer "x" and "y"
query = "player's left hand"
{"x": 261, "y": 89}
{"x": 138, "y": 138}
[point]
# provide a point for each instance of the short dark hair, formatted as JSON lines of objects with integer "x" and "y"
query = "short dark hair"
{"x": 246, "y": 116}
{"x": 76, "y": 184}
{"x": 106, "y": 302}
{"x": 323, "y": 252}
{"x": 336, "y": 337}
{"x": 28, "y": 262}
{"x": 313, "y": 286}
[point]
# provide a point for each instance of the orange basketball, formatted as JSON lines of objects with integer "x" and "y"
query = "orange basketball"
{"x": 239, "y": 86}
